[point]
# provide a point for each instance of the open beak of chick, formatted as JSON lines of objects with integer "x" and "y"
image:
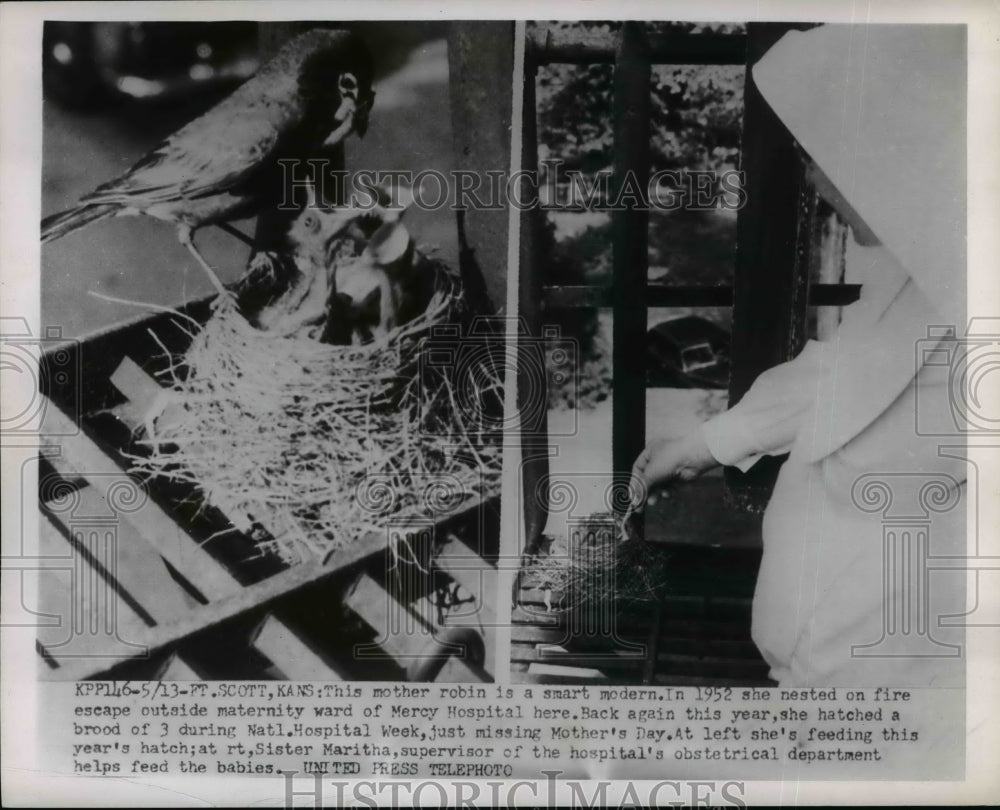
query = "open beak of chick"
{"x": 352, "y": 114}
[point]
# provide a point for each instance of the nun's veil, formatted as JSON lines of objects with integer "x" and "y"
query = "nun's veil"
{"x": 881, "y": 109}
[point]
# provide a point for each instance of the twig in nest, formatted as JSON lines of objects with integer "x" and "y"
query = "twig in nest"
{"x": 599, "y": 566}
{"x": 320, "y": 443}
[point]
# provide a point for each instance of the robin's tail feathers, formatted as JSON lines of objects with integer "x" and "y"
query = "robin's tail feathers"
{"x": 58, "y": 225}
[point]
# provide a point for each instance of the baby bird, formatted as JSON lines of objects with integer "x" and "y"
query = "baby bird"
{"x": 371, "y": 301}
{"x": 342, "y": 291}
{"x": 319, "y": 239}
{"x": 356, "y": 270}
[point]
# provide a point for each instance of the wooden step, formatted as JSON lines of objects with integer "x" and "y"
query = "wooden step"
{"x": 165, "y": 537}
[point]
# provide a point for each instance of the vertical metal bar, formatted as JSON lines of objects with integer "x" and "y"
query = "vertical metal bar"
{"x": 630, "y": 229}
{"x": 532, "y": 379}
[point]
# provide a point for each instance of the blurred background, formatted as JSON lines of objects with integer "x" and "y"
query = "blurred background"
{"x": 114, "y": 90}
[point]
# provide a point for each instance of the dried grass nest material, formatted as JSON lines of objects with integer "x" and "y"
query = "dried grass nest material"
{"x": 321, "y": 444}
{"x": 599, "y": 566}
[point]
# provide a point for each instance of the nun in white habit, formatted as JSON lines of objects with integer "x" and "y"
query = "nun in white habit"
{"x": 879, "y": 112}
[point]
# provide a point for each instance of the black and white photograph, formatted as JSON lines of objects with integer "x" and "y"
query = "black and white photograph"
{"x": 282, "y": 381}
{"x": 766, "y": 289}
{"x": 542, "y": 404}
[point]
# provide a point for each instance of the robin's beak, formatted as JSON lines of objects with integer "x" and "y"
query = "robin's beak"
{"x": 351, "y": 115}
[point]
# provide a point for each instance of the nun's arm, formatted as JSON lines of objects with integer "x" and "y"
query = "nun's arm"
{"x": 768, "y": 417}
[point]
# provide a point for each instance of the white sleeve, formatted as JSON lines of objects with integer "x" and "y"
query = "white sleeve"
{"x": 767, "y": 419}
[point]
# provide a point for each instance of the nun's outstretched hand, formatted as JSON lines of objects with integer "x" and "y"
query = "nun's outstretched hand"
{"x": 665, "y": 461}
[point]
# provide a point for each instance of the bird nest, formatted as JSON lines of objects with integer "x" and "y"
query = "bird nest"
{"x": 307, "y": 447}
{"x": 602, "y": 567}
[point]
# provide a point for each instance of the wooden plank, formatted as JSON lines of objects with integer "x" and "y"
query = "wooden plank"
{"x": 196, "y": 565}
{"x": 529, "y": 634}
{"x": 139, "y": 570}
{"x": 294, "y": 658}
{"x": 554, "y": 673}
{"x": 153, "y": 409}
{"x": 403, "y": 635}
{"x": 159, "y": 529}
{"x": 677, "y": 669}
{"x": 408, "y": 639}
{"x": 679, "y": 603}
{"x": 456, "y": 670}
{"x": 288, "y": 652}
{"x": 141, "y": 389}
{"x": 475, "y": 575}
{"x": 148, "y": 405}
{"x": 521, "y": 616}
{"x": 96, "y": 626}
{"x": 557, "y": 654}
{"x": 262, "y": 594}
{"x": 100, "y": 351}
{"x": 611, "y": 659}
{"x": 537, "y": 596}
{"x": 676, "y": 645}
{"x": 542, "y": 627}
{"x": 178, "y": 669}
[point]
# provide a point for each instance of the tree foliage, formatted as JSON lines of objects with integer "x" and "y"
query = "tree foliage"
{"x": 696, "y": 109}
{"x": 696, "y": 118}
